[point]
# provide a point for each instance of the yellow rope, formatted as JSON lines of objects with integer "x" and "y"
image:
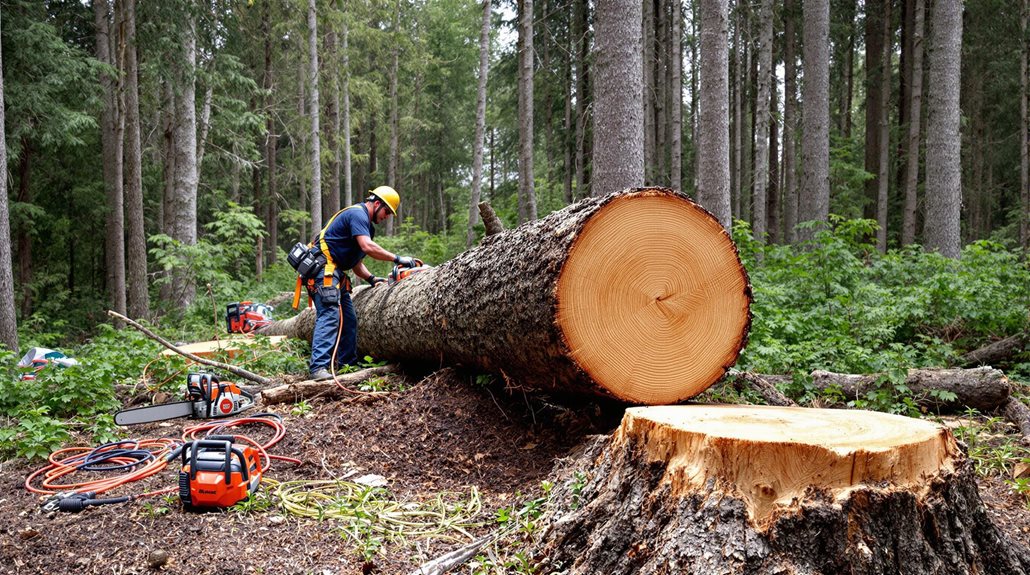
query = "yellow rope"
{"x": 365, "y": 509}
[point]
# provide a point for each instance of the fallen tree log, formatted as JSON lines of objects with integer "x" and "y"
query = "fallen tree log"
{"x": 980, "y": 388}
{"x": 1019, "y": 415}
{"x": 295, "y": 392}
{"x": 300, "y": 326}
{"x": 764, "y": 490}
{"x": 995, "y": 353}
{"x": 638, "y": 295}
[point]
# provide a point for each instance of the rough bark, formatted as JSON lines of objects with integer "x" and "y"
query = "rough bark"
{"x": 915, "y": 96}
{"x": 313, "y": 112}
{"x": 300, "y": 326}
{"x": 759, "y": 220}
{"x": 790, "y": 188}
{"x": 518, "y": 304}
{"x": 884, "y": 133}
{"x": 676, "y": 97}
{"x": 981, "y": 388}
{"x": 581, "y": 31}
{"x": 875, "y": 106}
{"x": 8, "y": 317}
{"x": 998, "y": 352}
{"x": 1024, "y": 128}
{"x": 295, "y": 392}
{"x": 943, "y": 144}
{"x": 111, "y": 132}
{"x": 136, "y": 240}
{"x": 618, "y": 97}
{"x": 490, "y": 220}
{"x": 761, "y": 386}
{"x": 713, "y": 139}
{"x": 814, "y": 203}
{"x": 477, "y": 149}
{"x": 527, "y": 194}
{"x": 183, "y": 200}
{"x": 1019, "y": 414}
{"x": 648, "y": 35}
{"x": 348, "y": 193}
{"x": 333, "y": 130}
{"x": 646, "y": 508}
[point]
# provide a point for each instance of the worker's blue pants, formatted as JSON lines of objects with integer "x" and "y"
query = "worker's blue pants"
{"x": 327, "y": 323}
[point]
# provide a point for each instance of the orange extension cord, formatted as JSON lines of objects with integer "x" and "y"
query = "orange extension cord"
{"x": 153, "y": 454}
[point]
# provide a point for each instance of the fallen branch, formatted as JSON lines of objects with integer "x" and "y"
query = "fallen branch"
{"x": 259, "y": 379}
{"x": 447, "y": 562}
{"x": 295, "y": 392}
{"x": 997, "y": 352}
{"x": 1019, "y": 414}
{"x": 981, "y": 388}
{"x": 761, "y": 386}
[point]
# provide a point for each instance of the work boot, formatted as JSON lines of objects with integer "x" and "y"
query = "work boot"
{"x": 320, "y": 373}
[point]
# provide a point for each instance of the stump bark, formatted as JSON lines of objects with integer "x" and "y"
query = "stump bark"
{"x": 727, "y": 489}
{"x": 639, "y": 295}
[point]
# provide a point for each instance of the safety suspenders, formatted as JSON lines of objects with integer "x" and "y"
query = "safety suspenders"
{"x": 330, "y": 265}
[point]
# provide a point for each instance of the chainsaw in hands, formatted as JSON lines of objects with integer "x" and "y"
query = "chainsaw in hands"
{"x": 206, "y": 398}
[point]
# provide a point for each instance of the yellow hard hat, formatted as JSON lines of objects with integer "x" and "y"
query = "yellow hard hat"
{"x": 388, "y": 196}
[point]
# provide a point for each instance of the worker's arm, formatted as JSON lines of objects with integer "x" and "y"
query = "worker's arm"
{"x": 362, "y": 272}
{"x": 373, "y": 249}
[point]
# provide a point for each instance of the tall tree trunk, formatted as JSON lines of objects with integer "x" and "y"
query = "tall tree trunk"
{"x": 774, "y": 163}
{"x": 661, "y": 82}
{"x": 618, "y": 97}
{"x": 1024, "y": 130}
{"x": 762, "y": 119}
{"x": 183, "y": 204}
{"x": 204, "y": 125}
{"x": 136, "y": 240}
{"x": 271, "y": 211}
{"x": 168, "y": 121}
{"x": 815, "y": 143}
{"x": 111, "y": 132}
{"x": 8, "y": 316}
{"x": 875, "y": 71}
{"x": 713, "y": 139}
{"x": 527, "y": 195}
{"x": 790, "y": 90}
{"x": 24, "y": 237}
{"x": 884, "y": 132}
{"x": 316, "y": 152}
{"x": 348, "y": 193}
{"x": 569, "y": 138}
{"x": 915, "y": 96}
{"x": 394, "y": 160}
{"x": 736, "y": 173}
{"x": 693, "y": 96}
{"x": 648, "y": 26}
{"x": 581, "y": 31}
{"x": 332, "y": 138}
{"x": 849, "y": 76}
{"x": 477, "y": 149}
{"x": 676, "y": 97}
{"x": 943, "y": 152}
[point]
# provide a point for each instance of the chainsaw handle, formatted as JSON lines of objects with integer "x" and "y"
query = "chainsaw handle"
{"x": 229, "y": 452}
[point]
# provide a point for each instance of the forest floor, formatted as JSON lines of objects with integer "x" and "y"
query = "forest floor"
{"x": 481, "y": 450}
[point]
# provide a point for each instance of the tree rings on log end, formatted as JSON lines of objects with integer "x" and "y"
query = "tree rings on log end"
{"x": 653, "y": 301}
{"x": 771, "y": 456}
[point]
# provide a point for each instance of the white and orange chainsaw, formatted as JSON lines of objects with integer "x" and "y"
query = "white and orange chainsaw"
{"x": 206, "y": 398}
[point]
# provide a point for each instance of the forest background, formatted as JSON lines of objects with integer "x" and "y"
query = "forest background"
{"x": 161, "y": 156}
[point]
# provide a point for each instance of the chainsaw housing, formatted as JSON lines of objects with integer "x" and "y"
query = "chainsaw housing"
{"x": 216, "y": 473}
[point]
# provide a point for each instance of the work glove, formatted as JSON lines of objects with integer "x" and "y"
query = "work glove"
{"x": 373, "y": 280}
{"x": 406, "y": 261}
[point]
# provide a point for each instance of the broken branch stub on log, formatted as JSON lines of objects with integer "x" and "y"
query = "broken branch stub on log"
{"x": 758, "y": 489}
{"x": 639, "y": 295}
{"x": 326, "y": 388}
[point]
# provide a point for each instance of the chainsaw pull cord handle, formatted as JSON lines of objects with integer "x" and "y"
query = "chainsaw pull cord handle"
{"x": 229, "y": 452}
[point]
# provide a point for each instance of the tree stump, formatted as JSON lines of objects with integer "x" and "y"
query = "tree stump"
{"x": 749, "y": 489}
{"x": 639, "y": 295}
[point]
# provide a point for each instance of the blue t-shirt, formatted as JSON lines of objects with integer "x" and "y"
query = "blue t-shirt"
{"x": 341, "y": 236}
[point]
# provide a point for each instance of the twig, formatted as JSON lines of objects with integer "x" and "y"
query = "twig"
{"x": 224, "y": 366}
{"x": 446, "y": 563}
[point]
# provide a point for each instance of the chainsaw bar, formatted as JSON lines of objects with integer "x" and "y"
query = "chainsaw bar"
{"x": 153, "y": 413}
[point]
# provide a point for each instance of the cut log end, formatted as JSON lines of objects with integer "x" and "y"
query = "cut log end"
{"x": 771, "y": 456}
{"x": 653, "y": 301}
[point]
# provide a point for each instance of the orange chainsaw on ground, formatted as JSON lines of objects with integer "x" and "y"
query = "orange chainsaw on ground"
{"x": 206, "y": 398}
{"x": 218, "y": 473}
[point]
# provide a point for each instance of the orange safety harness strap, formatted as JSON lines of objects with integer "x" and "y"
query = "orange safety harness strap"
{"x": 330, "y": 265}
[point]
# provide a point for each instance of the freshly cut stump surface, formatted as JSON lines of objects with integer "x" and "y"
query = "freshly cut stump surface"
{"x": 652, "y": 300}
{"x": 754, "y": 489}
{"x": 639, "y": 295}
